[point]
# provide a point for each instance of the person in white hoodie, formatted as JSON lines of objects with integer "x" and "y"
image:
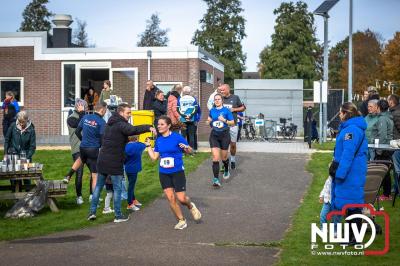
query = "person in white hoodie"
{"x": 325, "y": 199}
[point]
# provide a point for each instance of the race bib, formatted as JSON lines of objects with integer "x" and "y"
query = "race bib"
{"x": 167, "y": 162}
{"x": 218, "y": 124}
{"x": 229, "y": 106}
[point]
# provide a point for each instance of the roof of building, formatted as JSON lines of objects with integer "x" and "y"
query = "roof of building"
{"x": 41, "y": 52}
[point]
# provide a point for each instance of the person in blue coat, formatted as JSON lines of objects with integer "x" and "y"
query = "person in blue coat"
{"x": 351, "y": 154}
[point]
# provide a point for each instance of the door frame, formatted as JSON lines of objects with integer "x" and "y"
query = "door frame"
{"x": 136, "y": 89}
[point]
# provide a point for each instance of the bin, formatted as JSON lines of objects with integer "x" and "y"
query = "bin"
{"x": 143, "y": 117}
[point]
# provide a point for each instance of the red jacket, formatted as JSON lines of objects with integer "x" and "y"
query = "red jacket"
{"x": 172, "y": 110}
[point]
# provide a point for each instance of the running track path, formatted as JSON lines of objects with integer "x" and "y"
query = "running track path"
{"x": 255, "y": 206}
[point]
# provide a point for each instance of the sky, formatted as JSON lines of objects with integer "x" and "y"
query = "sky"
{"x": 117, "y": 23}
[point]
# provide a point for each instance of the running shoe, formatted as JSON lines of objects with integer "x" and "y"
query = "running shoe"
{"x": 90, "y": 198}
{"x": 195, "y": 212}
{"x": 91, "y": 217}
{"x": 121, "y": 219}
{"x": 226, "y": 175}
{"x": 108, "y": 210}
{"x": 216, "y": 182}
{"x": 66, "y": 179}
{"x": 181, "y": 225}
{"x": 222, "y": 168}
{"x": 79, "y": 200}
{"x": 137, "y": 203}
{"x": 233, "y": 165}
{"x": 133, "y": 207}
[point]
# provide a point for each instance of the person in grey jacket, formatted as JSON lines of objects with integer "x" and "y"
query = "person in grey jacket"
{"x": 383, "y": 130}
{"x": 73, "y": 122}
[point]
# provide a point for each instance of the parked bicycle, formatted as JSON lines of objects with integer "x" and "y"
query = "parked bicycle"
{"x": 248, "y": 127}
{"x": 287, "y": 131}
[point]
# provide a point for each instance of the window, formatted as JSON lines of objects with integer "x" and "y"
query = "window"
{"x": 166, "y": 86}
{"x": 69, "y": 85}
{"x": 14, "y": 84}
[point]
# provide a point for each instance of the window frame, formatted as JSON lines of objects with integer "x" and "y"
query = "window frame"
{"x": 21, "y": 80}
{"x": 167, "y": 83}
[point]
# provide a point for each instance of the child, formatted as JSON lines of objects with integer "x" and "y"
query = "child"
{"x": 325, "y": 198}
{"x": 133, "y": 165}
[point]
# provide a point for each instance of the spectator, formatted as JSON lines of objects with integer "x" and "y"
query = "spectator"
{"x": 106, "y": 92}
{"x": 383, "y": 130}
{"x": 349, "y": 167}
{"x": 172, "y": 109}
{"x": 10, "y": 109}
{"x": 21, "y": 138}
{"x": 73, "y": 122}
{"x": 371, "y": 119}
{"x": 188, "y": 108}
{"x": 240, "y": 118}
{"x": 159, "y": 106}
{"x": 394, "y": 108}
{"x": 105, "y": 98}
{"x": 111, "y": 157}
{"x": 149, "y": 95}
{"x": 197, "y": 119}
{"x": 370, "y": 94}
{"x": 91, "y": 98}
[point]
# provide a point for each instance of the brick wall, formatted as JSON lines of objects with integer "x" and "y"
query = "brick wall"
{"x": 42, "y": 86}
{"x": 42, "y": 83}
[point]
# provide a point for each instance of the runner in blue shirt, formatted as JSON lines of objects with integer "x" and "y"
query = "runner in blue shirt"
{"x": 169, "y": 148}
{"x": 220, "y": 118}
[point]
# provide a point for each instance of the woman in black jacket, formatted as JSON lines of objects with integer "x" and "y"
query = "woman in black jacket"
{"x": 159, "y": 106}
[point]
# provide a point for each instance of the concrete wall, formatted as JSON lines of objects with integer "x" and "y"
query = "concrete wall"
{"x": 274, "y": 98}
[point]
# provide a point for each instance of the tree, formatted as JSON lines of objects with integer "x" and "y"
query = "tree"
{"x": 294, "y": 52}
{"x": 221, "y": 33}
{"x": 153, "y": 35}
{"x": 80, "y": 36}
{"x": 36, "y": 17}
{"x": 367, "y": 67}
{"x": 391, "y": 60}
{"x": 336, "y": 56}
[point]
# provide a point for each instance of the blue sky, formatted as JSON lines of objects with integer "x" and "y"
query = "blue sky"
{"x": 117, "y": 23}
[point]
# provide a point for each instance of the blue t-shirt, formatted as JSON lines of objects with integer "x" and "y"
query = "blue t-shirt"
{"x": 133, "y": 160}
{"x": 215, "y": 123}
{"x": 92, "y": 130}
{"x": 170, "y": 153}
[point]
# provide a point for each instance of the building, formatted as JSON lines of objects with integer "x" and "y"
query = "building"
{"x": 275, "y": 98}
{"x": 47, "y": 74}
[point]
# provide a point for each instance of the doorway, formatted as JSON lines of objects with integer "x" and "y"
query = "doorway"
{"x": 93, "y": 78}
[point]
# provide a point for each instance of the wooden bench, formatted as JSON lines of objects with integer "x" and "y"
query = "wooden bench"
{"x": 56, "y": 188}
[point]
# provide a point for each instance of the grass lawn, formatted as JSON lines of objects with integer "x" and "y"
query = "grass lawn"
{"x": 329, "y": 145}
{"x": 72, "y": 216}
{"x": 296, "y": 245}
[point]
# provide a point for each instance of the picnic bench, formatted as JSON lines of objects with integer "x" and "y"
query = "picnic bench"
{"x": 56, "y": 188}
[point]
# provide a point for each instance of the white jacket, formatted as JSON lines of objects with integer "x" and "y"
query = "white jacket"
{"x": 326, "y": 191}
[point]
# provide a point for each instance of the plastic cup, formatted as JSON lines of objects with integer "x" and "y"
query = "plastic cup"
{"x": 376, "y": 142}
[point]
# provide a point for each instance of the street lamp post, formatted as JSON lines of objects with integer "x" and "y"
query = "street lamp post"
{"x": 323, "y": 10}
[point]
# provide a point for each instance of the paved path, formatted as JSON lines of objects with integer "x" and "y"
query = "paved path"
{"x": 255, "y": 206}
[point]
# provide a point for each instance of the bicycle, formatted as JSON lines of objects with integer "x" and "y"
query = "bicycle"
{"x": 248, "y": 127}
{"x": 271, "y": 131}
{"x": 287, "y": 132}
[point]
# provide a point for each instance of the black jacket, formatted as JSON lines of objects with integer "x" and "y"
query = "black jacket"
{"x": 149, "y": 98}
{"x": 112, "y": 153}
{"x": 160, "y": 108}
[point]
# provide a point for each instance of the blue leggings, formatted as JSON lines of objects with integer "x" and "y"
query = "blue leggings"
{"x": 132, "y": 177}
